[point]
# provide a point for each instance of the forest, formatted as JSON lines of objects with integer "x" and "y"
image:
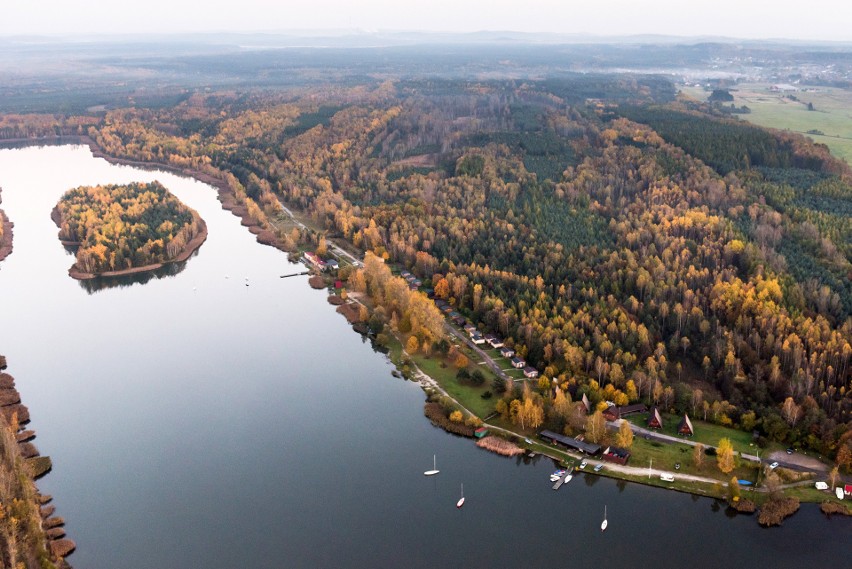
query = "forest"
{"x": 118, "y": 227}
{"x": 629, "y": 244}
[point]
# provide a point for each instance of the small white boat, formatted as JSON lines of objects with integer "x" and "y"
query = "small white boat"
{"x": 460, "y": 503}
{"x": 838, "y": 492}
{"x": 434, "y": 470}
{"x": 603, "y": 523}
{"x": 568, "y": 478}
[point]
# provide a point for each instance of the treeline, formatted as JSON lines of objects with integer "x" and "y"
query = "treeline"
{"x": 120, "y": 227}
{"x": 729, "y": 145}
{"x": 15, "y": 126}
{"x": 636, "y": 272}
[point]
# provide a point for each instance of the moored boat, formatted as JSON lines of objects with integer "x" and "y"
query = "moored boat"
{"x": 434, "y": 468}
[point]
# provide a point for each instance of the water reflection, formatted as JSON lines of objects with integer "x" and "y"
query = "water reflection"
{"x": 98, "y": 284}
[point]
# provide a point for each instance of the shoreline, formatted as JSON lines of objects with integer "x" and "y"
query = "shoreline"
{"x": 6, "y": 246}
{"x": 226, "y": 197}
{"x": 40, "y": 524}
{"x": 191, "y": 247}
{"x": 6, "y": 240}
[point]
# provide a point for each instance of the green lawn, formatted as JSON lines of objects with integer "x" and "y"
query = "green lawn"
{"x": 467, "y": 395}
{"x": 811, "y": 494}
{"x": 705, "y": 433}
{"x": 665, "y": 456}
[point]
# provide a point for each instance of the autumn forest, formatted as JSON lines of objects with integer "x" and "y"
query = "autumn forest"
{"x": 631, "y": 243}
{"x": 123, "y": 227}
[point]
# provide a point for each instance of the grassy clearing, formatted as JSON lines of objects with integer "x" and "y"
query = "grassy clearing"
{"x": 665, "y": 456}
{"x": 468, "y": 395}
{"x": 705, "y": 433}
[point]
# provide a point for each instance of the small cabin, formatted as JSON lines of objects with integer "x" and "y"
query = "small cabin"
{"x": 477, "y": 338}
{"x": 614, "y": 413}
{"x": 586, "y": 403}
{"x": 518, "y": 363}
{"x": 655, "y": 421}
{"x": 617, "y": 455}
{"x": 530, "y": 372}
{"x": 332, "y": 264}
{"x": 507, "y": 352}
{"x": 685, "y": 426}
{"x": 480, "y": 432}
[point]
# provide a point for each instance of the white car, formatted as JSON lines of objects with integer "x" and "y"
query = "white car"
{"x": 773, "y": 466}
{"x": 584, "y": 463}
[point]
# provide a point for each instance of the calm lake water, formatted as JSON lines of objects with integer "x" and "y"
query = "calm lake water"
{"x": 194, "y": 421}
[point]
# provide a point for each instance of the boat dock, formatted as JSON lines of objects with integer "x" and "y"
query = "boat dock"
{"x": 561, "y": 481}
{"x": 296, "y": 274}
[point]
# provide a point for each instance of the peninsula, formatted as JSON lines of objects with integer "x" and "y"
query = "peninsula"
{"x": 126, "y": 229}
{"x": 30, "y": 535}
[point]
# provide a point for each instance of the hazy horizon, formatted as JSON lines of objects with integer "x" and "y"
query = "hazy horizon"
{"x": 728, "y": 19}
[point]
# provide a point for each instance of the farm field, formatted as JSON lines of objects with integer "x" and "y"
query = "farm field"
{"x": 832, "y": 114}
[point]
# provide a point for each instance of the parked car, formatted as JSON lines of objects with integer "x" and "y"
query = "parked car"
{"x": 598, "y": 468}
{"x": 789, "y": 451}
{"x": 773, "y": 466}
{"x": 584, "y": 463}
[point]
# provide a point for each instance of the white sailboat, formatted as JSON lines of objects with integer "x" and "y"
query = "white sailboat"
{"x": 460, "y": 503}
{"x": 434, "y": 470}
{"x": 603, "y": 523}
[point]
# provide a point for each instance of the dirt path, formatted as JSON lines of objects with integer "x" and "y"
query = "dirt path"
{"x": 797, "y": 459}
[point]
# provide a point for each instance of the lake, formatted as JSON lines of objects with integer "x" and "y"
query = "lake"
{"x": 194, "y": 421}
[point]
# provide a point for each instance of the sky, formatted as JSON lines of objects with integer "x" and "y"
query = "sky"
{"x": 760, "y": 19}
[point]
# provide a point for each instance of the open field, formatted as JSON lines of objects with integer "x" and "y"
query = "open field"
{"x": 832, "y": 114}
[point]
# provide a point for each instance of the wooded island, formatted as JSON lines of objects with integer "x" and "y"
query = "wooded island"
{"x": 123, "y": 229}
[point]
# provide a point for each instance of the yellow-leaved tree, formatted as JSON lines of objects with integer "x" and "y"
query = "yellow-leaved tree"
{"x": 725, "y": 456}
{"x": 624, "y": 438}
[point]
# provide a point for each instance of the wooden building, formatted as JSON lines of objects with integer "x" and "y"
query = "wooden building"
{"x": 654, "y": 419}
{"x": 582, "y": 446}
{"x": 615, "y": 413}
{"x": 685, "y": 426}
{"x": 617, "y": 455}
